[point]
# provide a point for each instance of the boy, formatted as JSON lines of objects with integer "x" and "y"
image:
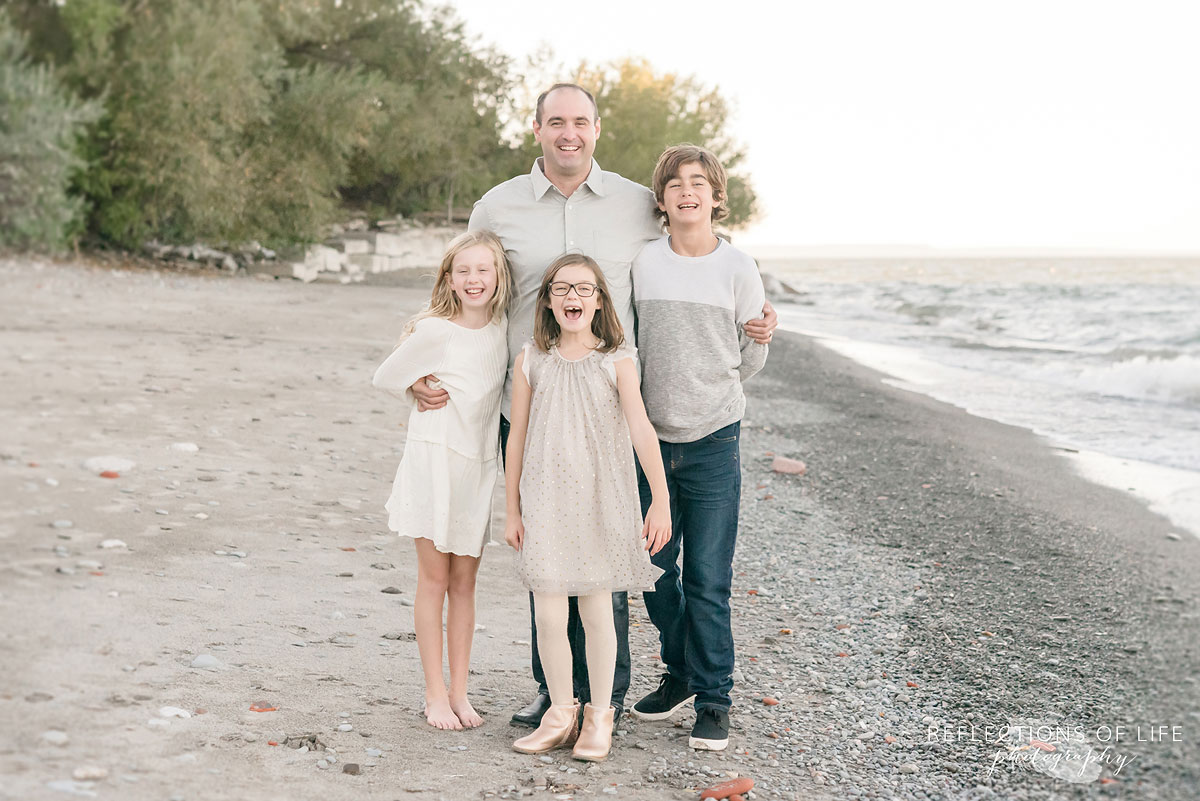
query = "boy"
{"x": 693, "y": 292}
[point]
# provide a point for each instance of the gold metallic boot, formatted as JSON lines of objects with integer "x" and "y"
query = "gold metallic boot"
{"x": 557, "y": 730}
{"x": 595, "y": 738}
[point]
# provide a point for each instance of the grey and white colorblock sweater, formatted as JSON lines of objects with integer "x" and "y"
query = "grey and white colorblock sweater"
{"x": 693, "y": 351}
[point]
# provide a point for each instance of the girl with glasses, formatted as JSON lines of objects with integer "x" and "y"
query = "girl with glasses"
{"x": 573, "y": 512}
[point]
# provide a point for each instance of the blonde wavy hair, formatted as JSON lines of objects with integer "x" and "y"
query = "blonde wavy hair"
{"x": 444, "y": 303}
{"x": 605, "y": 324}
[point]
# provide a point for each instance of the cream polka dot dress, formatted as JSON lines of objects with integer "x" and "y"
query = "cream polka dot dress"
{"x": 579, "y": 498}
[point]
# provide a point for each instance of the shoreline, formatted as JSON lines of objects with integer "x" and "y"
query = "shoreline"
{"x": 1171, "y": 492}
{"x": 1007, "y": 589}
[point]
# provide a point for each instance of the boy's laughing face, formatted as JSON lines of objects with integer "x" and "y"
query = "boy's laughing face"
{"x": 688, "y": 197}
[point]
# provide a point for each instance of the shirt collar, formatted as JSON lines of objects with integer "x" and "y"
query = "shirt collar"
{"x": 541, "y": 184}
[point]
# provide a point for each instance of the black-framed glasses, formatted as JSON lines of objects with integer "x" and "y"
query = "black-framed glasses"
{"x": 584, "y": 289}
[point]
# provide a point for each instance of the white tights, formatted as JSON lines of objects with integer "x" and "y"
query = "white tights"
{"x": 555, "y": 649}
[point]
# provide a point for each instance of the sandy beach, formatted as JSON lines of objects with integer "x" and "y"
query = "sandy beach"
{"x": 932, "y": 588}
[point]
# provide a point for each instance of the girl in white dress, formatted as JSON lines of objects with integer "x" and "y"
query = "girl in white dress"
{"x": 573, "y": 511}
{"x": 442, "y": 496}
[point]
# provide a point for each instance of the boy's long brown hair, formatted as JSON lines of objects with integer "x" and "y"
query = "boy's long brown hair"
{"x": 605, "y": 324}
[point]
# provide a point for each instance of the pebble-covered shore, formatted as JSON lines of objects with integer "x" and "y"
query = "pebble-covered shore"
{"x": 226, "y": 616}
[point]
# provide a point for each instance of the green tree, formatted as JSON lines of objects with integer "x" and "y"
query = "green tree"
{"x": 40, "y": 122}
{"x": 227, "y": 120}
{"x": 644, "y": 112}
{"x": 436, "y": 141}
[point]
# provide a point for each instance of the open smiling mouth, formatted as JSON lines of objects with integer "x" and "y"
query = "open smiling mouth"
{"x": 572, "y": 311}
{"x": 683, "y": 206}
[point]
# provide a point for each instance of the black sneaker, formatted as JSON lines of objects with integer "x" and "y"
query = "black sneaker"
{"x": 665, "y": 701}
{"x": 711, "y": 732}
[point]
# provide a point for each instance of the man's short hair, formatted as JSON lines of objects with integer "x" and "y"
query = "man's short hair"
{"x": 673, "y": 159}
{"x": 541, "y": 101}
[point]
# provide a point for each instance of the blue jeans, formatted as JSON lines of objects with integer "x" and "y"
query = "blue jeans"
{"x": 575, "y": 634}
{"x": 691, "y": 608}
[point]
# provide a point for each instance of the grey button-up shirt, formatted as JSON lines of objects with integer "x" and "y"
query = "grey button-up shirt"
{"x": 608, "y": 218}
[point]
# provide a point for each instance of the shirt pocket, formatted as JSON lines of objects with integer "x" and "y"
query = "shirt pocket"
{"x": 616, "y": 263}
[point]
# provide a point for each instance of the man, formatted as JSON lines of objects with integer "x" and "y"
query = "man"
{"x": 567, "y": 203}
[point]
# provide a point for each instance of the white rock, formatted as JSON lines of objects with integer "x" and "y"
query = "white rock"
{"x": 55, "y": 737}
{"x": 86, "y": 773}
{"x": 113, "y": 544}
{"x": 185, "y": 447}
{"x": 72, "y": 787}
{"x": 173, "y": 712}
{"x": 98, "y": 464}
{"x": 206, "y": 662}
{"x": 200, "y": 516}
{"x": 61, "y": 524}
{"x": 345, "y": 727}
{"x": 52, "y": 482}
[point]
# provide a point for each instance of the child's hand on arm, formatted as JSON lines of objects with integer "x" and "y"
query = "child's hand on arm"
{"x": 656, "y": 530}
{"x": 522, "y": 394}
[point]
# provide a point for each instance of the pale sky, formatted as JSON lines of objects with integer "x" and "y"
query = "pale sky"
{"x": 1055, "y": 123}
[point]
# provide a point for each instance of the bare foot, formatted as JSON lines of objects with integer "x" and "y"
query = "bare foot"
{"x": 466, "y": 713}
{"x": 439, "y": 715}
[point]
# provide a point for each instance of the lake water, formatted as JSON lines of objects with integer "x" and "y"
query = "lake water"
{"x": 1101, "y": 356}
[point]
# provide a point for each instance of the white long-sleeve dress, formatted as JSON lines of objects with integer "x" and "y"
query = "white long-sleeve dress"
{"x": 444, "y": 485}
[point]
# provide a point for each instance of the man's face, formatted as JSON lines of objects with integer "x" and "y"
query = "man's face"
{"x": 567, "y": 133}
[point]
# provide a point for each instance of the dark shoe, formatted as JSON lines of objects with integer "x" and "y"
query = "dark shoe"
{"x": 665, "y": 701}
{"x": 711, "y": 732}
{"x": 532, "y": 715}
